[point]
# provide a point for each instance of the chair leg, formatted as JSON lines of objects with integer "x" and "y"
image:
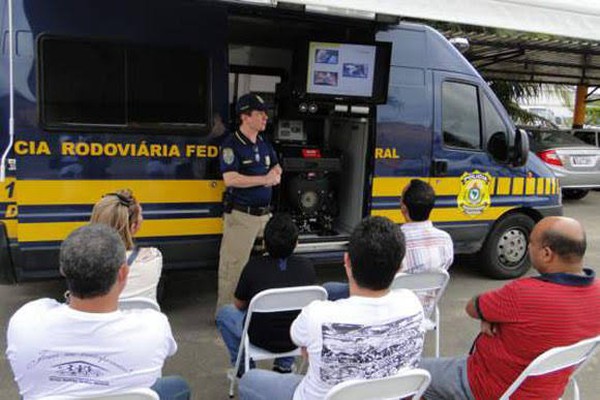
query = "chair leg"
{"x": 233, "y": 375}
{"x": 232, "y": 384}
{"x": 437, "y": 332}
{"x": 246, "y": 359}
{"x": 575, "y": 389}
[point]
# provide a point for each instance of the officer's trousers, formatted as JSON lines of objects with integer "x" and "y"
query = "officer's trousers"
{"x": 240, "y": 230}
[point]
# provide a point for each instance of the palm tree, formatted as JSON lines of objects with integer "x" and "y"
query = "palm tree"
{"x": 510, "y": 92}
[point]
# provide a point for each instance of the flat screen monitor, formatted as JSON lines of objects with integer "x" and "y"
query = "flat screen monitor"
{"x": 347, "y": 71}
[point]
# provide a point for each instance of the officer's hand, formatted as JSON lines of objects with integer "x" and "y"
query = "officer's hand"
{"x": 278, "y": 169}
{"x": 272, "y": 178}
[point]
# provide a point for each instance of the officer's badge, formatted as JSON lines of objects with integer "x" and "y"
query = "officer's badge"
{"x": 228, "y": 155}
{"x": 267, "y": 161}
{"x": 474, "y": 196}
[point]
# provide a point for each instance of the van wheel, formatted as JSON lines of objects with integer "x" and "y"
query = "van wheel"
{"x": 504, "y": 253}
{"x": 574, "y": 194}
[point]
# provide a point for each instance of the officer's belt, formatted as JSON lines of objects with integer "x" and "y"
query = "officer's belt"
{"x": 257, "y": 211}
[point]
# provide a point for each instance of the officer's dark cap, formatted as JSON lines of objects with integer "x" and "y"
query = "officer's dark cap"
{"x": 250, "y": 102}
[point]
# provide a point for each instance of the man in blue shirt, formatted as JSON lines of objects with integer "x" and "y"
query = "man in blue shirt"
{"x": 250, "y": 169}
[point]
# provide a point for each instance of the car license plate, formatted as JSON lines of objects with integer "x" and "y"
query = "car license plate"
{"x": 582, "y": 161}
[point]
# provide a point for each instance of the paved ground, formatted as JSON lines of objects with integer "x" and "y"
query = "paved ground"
{"x": 201, "y": 359}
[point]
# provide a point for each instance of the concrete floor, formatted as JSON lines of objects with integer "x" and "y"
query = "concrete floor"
{"x": 201, "y": 359}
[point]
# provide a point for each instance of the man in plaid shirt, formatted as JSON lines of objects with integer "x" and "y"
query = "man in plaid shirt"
{"x": 427, "y": 248}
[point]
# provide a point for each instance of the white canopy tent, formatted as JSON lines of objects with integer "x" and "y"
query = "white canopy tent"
{"x": 577, "y": 19}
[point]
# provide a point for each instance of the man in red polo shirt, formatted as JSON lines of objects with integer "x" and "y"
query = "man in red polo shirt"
{"x": 523, "y": 319}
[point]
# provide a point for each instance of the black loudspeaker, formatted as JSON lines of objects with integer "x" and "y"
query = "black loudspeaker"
{"x": 309, "y": 193}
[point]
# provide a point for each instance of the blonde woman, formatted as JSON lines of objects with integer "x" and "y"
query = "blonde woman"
{"x": 121, "y": 211}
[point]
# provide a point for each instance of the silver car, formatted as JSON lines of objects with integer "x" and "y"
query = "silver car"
{"x": 575, "y": 163}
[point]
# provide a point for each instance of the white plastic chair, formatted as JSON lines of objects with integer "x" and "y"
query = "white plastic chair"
{"x": 424, "y": 284}
{"x": 410, "y": 382}
{"x": 272, "y": 301}
{"x": 132, "y": 303}
{"x": 131, "y": 394}
{"x": 556, "y": 359}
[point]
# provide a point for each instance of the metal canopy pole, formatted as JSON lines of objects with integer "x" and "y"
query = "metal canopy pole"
{"x": 579, "y": 112}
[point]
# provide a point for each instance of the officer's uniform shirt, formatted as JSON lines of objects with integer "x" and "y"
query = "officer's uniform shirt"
{"x": 240, "y": 155}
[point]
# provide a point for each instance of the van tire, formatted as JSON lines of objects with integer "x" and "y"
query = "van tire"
{"x": 574, "y": 194}
{"x": 504, "y": 254}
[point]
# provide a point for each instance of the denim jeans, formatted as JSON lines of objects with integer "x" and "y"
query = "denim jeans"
{"x": 449, "y": 379}
{"x": 172, "y": 388}
{"x": 337, "y": 290}
{"x": 230, "y": 322}
{"x": 259, "y": 384}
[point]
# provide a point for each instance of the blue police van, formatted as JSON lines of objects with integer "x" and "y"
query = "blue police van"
{"x": 98, "y": 96}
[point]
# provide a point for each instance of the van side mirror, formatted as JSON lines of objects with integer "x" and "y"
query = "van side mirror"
{"x": 497, "y": 147}
{"x": 500, "y": 150}
{"x": 521, "y": 151}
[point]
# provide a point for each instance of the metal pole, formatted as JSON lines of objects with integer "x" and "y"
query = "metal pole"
{"x": 11, "y": 119}
{"x": 579, "y": 112}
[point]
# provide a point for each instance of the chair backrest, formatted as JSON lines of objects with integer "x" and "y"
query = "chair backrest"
{"x": 281, "y": 299}
{"x": 285, "y": 299}
{"x": 130, "y": 394}
{"x": 410, "y": 382}
{"x": 137, "y": 303}
{"x": 431, "y": 283}
{"x": 556, "y": 359}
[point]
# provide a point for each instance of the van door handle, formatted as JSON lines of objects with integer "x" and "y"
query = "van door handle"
{"x": 439, "y": 167}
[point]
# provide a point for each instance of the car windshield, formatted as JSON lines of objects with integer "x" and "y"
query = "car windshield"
{"x": 548, "y": 139}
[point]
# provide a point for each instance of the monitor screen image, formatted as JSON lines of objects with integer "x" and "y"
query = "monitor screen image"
{"x": 339, "y": 69}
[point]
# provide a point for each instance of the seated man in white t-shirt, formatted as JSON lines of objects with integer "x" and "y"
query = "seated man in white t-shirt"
{"x": 88, "y": 346}
{"x": 372, "y": 334}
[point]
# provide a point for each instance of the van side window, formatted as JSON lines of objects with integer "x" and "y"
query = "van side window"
{"x": 492, "y": 120}
{"x": 86, "y": 83}
{"x": 460, "y": 115}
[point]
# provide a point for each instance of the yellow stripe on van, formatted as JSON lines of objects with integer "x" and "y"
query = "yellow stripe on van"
{"x": 390, "y": 187}
{"x": 58, "y": 192}
{"x": 540, "y": 186}
{"x": 503, "y": 186}
{"x": 517, "y": 186}
{"x": 11, "y": 227}
{"x": 56, "y": 231}
{"x": 450, "y": 186}
{"x": 447, "y": 214}
{"x": 530, "y": 186}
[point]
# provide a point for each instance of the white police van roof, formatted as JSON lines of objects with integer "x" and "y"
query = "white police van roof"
{"x": 580, "y": 19}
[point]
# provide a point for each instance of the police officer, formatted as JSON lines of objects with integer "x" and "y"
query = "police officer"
{"x": 250, "y": 169}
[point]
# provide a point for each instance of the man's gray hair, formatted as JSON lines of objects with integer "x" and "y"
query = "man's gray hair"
{"x": 90, "y": 258}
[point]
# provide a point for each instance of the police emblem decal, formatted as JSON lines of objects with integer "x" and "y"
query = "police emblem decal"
{"x": 228, "y": 156}
{"x": 474, "y": 195}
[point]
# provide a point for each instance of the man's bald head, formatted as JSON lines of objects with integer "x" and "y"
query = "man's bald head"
{"x": 564, "y": 236}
